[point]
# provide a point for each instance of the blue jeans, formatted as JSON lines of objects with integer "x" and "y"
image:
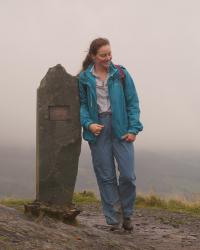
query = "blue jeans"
{"x": 116, "y": 194}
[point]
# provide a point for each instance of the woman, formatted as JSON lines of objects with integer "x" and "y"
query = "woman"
{"x": 109, "y": 114}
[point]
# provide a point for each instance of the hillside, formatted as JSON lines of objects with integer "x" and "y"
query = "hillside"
{"x": 166, "y": 173}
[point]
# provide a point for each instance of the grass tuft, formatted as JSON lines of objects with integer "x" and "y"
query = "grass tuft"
{"x": 14, "y": 202}
{"x": 85, "y": 197}
{"x": 154, "y": 201}
{"x": 150, "y": 201}
{"x": 4, "y": 238}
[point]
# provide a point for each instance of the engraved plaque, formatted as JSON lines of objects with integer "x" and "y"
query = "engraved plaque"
{"x": 59, "y": 113}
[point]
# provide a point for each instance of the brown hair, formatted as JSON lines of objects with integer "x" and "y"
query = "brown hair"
{"x": 94, "y": 46}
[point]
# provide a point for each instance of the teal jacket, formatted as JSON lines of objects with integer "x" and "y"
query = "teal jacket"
{"x": 123, "y": 100}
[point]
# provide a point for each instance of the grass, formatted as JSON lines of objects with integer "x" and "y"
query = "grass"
{"x": 142, "y": 201}
{"x": 148, "y": 201}
{"x": 4, "y": 238}
{"x": 14, "y": 202}
{"x": 79, "y": 198}
{"x": 85, "y": 197}
{"x": 171, "y": 204}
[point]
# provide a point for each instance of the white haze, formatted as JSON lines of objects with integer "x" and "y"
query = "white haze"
{"x": 158, "y": 41}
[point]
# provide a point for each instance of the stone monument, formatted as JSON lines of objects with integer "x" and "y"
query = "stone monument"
{"x": 58, "y": 144}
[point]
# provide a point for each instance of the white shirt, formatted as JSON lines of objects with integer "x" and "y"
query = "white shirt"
{"x": 103, "y": 100}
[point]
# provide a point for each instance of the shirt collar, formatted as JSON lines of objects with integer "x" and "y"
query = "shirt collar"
{"x": 89, "y": 73}
{"x": 92, "y": 70}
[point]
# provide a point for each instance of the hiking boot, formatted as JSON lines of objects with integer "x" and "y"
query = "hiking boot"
{"x": 127, "y": 224}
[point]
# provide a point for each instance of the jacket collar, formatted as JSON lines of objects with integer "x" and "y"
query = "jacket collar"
{"x": 112, "y": 71}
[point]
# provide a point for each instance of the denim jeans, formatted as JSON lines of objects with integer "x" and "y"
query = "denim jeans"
{"x": 117, "y": 194}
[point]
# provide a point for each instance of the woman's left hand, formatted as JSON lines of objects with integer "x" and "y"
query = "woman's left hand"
{"x": 129, "y": 137}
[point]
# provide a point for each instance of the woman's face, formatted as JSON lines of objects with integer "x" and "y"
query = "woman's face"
{"x": 103, "y": 56}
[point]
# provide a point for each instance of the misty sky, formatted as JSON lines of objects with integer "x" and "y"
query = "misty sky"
{"x": 158, "y": 41}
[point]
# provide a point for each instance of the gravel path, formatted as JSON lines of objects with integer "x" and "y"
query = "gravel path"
{"x": 153, "y": 229}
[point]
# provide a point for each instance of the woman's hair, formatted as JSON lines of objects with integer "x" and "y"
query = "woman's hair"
{"x": 94, "y": 46}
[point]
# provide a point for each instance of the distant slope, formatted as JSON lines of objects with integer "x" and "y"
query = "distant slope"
{"x": 17, "y": 172}
{"x": 175, "y": 172}
{"x": 163, "y": 172}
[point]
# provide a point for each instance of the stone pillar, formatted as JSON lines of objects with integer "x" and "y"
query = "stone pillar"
{"x": 58, "y": 140}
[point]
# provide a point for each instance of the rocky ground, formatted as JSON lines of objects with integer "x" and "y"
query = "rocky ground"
{"x": 153, "y": 229}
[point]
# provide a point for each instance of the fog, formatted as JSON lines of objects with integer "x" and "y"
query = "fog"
{"x": 157, "y": 41}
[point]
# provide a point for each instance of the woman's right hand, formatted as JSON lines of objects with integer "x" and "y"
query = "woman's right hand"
{"x": 96, "y": 128}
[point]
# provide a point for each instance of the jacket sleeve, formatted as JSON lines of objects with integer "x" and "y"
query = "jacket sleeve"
{"x": 84, "y": 112}
{"x": 132, "y": 105}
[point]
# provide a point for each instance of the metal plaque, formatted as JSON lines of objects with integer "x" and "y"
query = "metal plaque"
{"x": 59, "y": 113}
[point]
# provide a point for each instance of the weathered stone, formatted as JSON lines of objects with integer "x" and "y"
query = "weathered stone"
{"x": 65, "y": 213}
{"x": 58, "y": 137}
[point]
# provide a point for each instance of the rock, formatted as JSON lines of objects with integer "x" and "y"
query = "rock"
{"x": 58, "y": 137}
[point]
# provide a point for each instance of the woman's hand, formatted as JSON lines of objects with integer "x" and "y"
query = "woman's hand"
{"x": 129, "y": 137}
{"x": 96, "y": 128}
